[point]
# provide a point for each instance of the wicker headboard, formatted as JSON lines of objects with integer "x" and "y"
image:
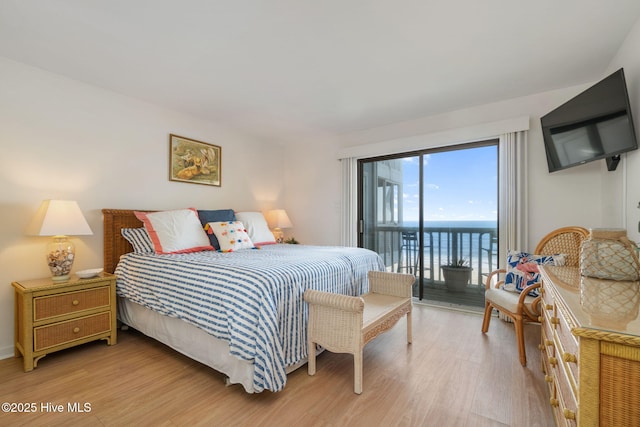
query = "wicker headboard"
{"x": 114, "y": 244}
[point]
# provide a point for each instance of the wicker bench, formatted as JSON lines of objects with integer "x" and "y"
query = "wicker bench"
{"x": 345, "y": 324}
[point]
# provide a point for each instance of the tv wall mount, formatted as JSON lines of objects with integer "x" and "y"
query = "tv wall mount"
{"x": 612, "y": 162}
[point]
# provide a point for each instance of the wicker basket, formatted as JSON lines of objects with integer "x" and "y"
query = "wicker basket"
{"x": 609, "y": 254}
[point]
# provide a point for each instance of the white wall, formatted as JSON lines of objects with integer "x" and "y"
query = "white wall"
{"x": 67, "y": 140}
{"x": 629, "y": 59}
{"x": 313, "y": 191}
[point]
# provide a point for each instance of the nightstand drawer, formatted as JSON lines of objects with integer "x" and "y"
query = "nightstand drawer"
{"x": 71, "y": 330}
{"x": 47, "y": 307}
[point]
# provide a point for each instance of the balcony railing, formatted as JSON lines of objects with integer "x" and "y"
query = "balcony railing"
{"x": 399, "y": 247}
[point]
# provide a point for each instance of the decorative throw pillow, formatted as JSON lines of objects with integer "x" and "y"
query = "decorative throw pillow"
{"x": 139, "y": 239}
{"x": 231, "y": 235}
{"x": 257, "y": 228}
{"x": 174, "y": 232}
{"x": 522, "y": 269}
{"x": 218, "y": 215}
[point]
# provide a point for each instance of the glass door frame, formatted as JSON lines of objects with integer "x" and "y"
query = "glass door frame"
{"x": 421, "y": 155}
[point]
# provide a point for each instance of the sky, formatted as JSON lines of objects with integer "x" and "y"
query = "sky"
{"x": 459, "y": 185}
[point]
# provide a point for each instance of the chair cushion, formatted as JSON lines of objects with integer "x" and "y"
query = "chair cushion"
{"x": 522, "y": 269}
{"x": 507, "y": 300}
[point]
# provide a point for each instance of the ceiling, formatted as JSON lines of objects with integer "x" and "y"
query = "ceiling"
{"x": 283, "y": 69}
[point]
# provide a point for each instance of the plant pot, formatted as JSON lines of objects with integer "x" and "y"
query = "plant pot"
{"x": 456, "y": 278}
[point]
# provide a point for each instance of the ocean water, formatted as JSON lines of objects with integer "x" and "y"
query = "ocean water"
{"x": 474, "y": 241}
{"x": 454, "y": 224}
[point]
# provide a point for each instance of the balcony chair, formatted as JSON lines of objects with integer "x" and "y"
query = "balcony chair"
{"x": 491, "y": 252}
{"x": 410, "y": 253}
{"x": 522, "y": 307}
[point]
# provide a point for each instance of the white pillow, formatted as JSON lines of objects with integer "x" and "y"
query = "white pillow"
{"x": 173, "y": 232}
{"x": 257, "y": 228}
{"x": 231, "y": 235}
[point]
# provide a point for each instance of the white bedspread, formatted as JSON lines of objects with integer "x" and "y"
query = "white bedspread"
{"x": 251, "y": 299}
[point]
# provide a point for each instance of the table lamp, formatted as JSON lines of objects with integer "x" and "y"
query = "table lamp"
{"x": 59, "y": 218}
{"x": 277, "y": 220}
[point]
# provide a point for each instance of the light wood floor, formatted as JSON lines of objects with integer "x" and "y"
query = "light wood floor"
{"x": 452, "y": 375}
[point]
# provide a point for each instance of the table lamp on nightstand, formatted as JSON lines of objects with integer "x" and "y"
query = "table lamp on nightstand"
{"x": 59, "y": 218}
{"x": 277, "y": 220}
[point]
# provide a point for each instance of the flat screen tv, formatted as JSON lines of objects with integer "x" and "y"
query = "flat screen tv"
{"x": 596, "y": 124}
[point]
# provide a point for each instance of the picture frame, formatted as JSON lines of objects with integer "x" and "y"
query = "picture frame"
{"x": 195, "y": 162}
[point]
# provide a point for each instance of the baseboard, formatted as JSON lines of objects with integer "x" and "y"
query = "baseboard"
{"x": 6, "y": 352}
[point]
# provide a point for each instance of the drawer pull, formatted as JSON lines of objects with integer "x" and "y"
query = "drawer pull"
{"x": 75, "y": 302}
{"x": 553, "y": 361}
{"x": 569, "y": 357}
{"x": 548, "y": 378}
{"x": 555, "y": 321}
{"x": 548, "y": 307}
{"x": 76, "y": 330}
{"x": 569, "y": 414}
{"x": 548, "y": 343}
{"x": 554, "y": 402}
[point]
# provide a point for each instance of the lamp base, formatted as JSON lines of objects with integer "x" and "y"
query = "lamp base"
{"x": 60, "y": 257}
{"x": 278, "y": 235}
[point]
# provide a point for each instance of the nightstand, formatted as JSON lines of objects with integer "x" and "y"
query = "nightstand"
{"x": 51, "y": 316}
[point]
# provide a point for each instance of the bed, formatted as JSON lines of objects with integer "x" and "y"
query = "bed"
{"x": 241, "y": 313}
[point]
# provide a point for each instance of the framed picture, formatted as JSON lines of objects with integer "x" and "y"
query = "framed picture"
{"x": 194, "y": 161}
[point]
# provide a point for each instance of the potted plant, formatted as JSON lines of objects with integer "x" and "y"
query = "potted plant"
{"x": 457, "y": 275}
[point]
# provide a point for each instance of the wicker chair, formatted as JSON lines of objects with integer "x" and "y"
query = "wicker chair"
{"x": 522, "y": 307}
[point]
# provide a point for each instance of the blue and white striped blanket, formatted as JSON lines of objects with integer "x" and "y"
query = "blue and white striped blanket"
{"x": 252, "y": 299}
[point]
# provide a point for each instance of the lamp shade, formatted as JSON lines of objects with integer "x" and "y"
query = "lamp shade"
{"x": 278, "y": 218}
{"x": 58, "y": 218}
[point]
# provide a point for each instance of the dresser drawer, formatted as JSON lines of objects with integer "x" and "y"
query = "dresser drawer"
{"x": 547, "y": 334}
{"x": 549, "y": 372}
{"x": 71, "y": 330}
{"x": 554, "y": 401}
{"x": 47, "y": 307}
{"x": 547, "y": 299}
{"x": 568, "y": 406}
{"x": 567, "y": 349}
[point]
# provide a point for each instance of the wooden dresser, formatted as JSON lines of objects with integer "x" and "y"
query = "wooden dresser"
{"x": 51, "y": 316}
{"x": 591, "y": 348}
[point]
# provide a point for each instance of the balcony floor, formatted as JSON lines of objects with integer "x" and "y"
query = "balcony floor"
{"x": 473, "y": 296}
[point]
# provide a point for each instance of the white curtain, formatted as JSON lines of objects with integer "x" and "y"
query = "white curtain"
{"x": 349, "y": 226}
{"x": 512, "y": 189}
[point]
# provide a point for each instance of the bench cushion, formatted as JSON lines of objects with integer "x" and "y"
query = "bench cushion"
{"x": 380, "y": 309}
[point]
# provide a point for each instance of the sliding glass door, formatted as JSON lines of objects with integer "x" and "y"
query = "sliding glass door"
{"x": 386, "y": 217}
{"x": 424, "y": 210}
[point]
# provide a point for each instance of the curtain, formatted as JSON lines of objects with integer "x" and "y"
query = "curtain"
{"x": 512, "y": 193}
{"x": 349, "y": 223}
